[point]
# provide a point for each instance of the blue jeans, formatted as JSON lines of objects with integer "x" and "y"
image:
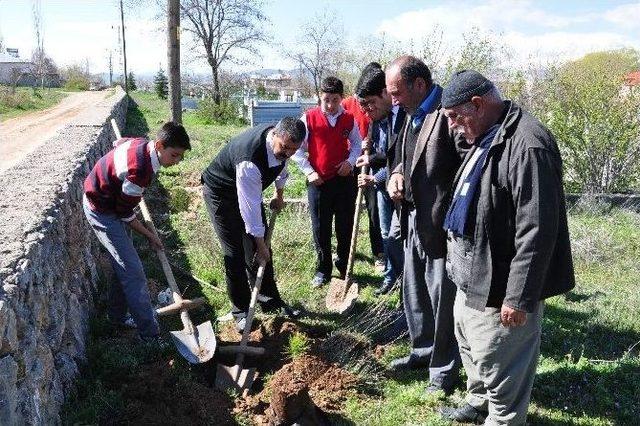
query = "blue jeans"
{"x": 131, "y": 289}
{"x": 392, "y": 245}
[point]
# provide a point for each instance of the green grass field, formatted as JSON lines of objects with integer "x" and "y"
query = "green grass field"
{"x": 589, "y": 371}
{"x": 25, "y": 100}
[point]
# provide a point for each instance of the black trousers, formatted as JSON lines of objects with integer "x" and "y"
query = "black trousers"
{"x": 335, "y": 197}
{"x": 238, "y": 248}
{"x": 375, "y": 233}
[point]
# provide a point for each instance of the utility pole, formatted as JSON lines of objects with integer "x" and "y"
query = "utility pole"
{"x": 110, "y": 69}
{"x": 124, "y": 50}
{"x": 173, "y": 59}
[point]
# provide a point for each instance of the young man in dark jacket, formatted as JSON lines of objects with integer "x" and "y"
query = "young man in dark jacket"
{"x": 233, "y": 185}
{"x": 507, "y": 249}
{"x": 387, "y": 119}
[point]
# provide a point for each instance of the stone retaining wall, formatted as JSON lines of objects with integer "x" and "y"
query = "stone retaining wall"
{"x": 47, "y": 267}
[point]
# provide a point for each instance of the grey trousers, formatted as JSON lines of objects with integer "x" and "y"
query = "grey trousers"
{"x": 428, "y": 296}
{"x": 131, "y": 289}
{"x": 500, "y": 361}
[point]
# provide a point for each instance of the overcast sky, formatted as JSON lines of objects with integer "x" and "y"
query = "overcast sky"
{"x": 77, "y": 30}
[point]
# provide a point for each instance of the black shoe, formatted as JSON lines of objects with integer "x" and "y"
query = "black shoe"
{"x": 464, "y": 414}
{"x": 410, "y": 362}
{"x": 289, "y": 311}
{"x": 279, "y": 308}
{"x": 384, "y": 288}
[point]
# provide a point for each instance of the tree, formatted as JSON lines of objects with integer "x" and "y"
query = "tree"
{"x": 161, "y": 84}
{"x": 42, "y": 64}
{"x": 131, "y": 82}
{"x": 480, "y": 51}
{"x": 595, "y": 121}
{"x": 15, "y": 74}
{"x": 224, "y": 29}
{"x": 76, "y": 77}
{"x": 321, "y": 43}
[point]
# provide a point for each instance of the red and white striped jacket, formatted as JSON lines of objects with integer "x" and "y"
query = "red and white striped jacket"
{"x": 118, "y": 179}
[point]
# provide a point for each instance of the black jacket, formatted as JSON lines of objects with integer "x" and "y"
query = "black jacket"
{"x": 520, "y": 250}
{"x": 390, "y": 158}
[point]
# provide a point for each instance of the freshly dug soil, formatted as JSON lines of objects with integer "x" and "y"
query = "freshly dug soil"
{"x": 300, "y": 392}
{"x": 155, "y": 395}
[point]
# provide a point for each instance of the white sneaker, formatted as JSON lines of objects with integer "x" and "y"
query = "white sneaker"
{"x": 318, "y": 280}
{"x": 224, "y": 318}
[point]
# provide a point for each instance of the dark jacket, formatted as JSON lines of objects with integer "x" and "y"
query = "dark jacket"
{"x": 390, "y": 158}
{"x": 520, "y": 249}
{"x": 433, "y": 167}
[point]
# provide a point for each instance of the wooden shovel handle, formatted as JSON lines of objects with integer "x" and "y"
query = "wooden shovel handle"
{"x": 255, "y": 292}
{"x": 356, "y": 223}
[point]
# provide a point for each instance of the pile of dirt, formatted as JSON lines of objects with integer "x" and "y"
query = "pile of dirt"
{"x": 301, "y": 391}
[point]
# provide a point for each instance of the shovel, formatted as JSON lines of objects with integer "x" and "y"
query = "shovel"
{"x": 195, "y": 344}
{"x": 342, "y": 293}
{"x": 235, "y": 377}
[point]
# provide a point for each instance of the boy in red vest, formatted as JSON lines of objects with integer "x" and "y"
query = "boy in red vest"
{"x": 327, "y": 156}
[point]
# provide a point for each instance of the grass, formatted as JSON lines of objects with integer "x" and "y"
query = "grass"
{"x": 26, "y": 99}
{"x": 589, "y": 371}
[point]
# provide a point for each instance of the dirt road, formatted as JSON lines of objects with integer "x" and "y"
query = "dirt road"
{"x": 21, "y": 135}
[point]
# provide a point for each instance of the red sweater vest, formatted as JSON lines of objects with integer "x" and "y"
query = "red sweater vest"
{"x": 328, "y": 146}
{"x": 352, "y": 106}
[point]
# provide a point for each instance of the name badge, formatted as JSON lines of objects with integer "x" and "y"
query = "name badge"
{"x": 464, "y": 189}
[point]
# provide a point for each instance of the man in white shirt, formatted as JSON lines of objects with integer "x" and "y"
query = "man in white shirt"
{"x": 233, "y": 186}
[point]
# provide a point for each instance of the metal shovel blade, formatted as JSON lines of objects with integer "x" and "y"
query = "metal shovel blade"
{"x": 196, "y": 347}
{"x": 341, "y": 296}
{"x": 234, "y": 377}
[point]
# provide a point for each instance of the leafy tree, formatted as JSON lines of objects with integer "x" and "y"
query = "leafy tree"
{"x": 131, "y": 82}
{"x": 161, "y": 84}
{"x": 76, "y": 78}
{"x": 594, "y": 117}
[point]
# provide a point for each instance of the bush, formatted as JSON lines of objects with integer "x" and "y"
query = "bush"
{"x": 77, "y": 83}
{"x": 17, "y": 100}
{"x": 209, "y": 112}
{"x": 76, "y": 78}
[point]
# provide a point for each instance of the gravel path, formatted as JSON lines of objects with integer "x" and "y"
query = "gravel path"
{"x": 22, "y": 135}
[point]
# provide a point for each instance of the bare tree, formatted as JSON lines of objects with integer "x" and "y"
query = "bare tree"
{"x": 224, "y": 29}
{"x": 320, "y": 49}
{"x": 15, "y": 74}
{"x": 39, "y": 57}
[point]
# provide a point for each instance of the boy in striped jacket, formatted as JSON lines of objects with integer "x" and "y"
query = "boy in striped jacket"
{"x": 111, "y": 191}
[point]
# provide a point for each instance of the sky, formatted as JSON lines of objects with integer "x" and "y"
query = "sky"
{"x": 81, "y": 31}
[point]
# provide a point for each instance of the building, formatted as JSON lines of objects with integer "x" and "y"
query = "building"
{"x": 15, "y": 71}
{"x": 272, "y": 82}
